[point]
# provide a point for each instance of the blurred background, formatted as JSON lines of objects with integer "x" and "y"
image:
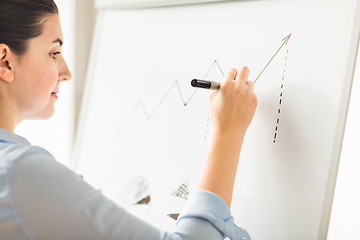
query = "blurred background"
{"x": 58, "y": 134}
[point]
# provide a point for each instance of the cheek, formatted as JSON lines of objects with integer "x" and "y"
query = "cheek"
{"x": 48, "y": 77}
{"x": 37, "y": 88}
{"x": 40, "y": 72}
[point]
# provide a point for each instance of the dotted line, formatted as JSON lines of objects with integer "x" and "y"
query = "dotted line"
{"x": 281, "y": 99}
{"x": 182, "y": 124}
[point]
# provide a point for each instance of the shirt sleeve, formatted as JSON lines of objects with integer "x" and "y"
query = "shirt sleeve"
{"x": 55, "y": 203}
{"x": 210, "y": 207}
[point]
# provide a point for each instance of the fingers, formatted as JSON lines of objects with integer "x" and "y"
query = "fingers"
{"x": 238, "y": 78}
{"x": 231, "y": 75}
{"x": 250, "y": 84}
{"x": 213, "y": 94}
{"x": 243, "y": 75}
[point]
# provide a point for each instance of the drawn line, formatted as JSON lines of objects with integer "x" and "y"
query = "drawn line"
{"x": 176, "y": 84}
{"x": 183, "y": 190}
{"x": 285, "y": 41}
{"x": 281, "y": 96}
{"x": 149, "y": 114}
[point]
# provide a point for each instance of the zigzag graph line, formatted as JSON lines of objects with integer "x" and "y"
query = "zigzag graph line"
{"x": 149, "y": 114}
{"x": 176, "y": 84}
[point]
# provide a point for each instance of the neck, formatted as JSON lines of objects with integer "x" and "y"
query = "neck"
{"x": 8, "y": 118}
{"x": 6, "y": 122}
{"x": 7, "y": 127}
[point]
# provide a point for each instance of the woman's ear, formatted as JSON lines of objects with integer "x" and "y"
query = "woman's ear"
{"x": 6, "y": 70}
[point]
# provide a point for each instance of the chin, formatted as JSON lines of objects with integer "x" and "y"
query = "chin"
{"x": 48, "y": 113}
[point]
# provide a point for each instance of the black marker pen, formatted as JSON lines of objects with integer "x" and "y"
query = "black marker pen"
{"x": 205, "y": 84}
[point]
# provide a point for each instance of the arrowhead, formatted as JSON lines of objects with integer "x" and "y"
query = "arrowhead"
{"x": 286, "y": 39}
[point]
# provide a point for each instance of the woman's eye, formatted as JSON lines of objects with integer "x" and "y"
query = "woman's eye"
{"x": 53, "y": 55}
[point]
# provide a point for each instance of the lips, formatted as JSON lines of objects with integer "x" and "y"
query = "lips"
{"x": 54, "y": 94}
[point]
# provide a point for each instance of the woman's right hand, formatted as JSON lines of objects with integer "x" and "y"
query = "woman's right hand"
{"x": 232, "y": 107}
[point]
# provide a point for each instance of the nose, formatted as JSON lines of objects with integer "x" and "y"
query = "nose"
{"x": 64, "y": 72}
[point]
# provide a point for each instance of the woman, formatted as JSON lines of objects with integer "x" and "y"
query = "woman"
{"x": 41, "y": 199}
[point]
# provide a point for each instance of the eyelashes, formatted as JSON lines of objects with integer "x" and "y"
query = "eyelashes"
{"x": 53, "y": 54}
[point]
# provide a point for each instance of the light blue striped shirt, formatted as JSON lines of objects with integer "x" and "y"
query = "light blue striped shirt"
{"x": 42, "y": 199}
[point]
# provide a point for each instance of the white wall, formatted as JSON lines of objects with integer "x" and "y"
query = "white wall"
{"x": 85, "y": 21}
{"x": 56, "y": 134}
{"x": 345, "y": 218}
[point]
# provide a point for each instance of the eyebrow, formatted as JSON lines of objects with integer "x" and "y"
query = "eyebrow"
{"x": 58, "y": 40}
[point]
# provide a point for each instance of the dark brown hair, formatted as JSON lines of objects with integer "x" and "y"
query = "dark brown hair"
{"x": 22, "y": 20}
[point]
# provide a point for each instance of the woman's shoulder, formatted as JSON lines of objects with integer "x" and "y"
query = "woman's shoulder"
{"x": 13, "y": 158}
{"x": 11, "y": 152}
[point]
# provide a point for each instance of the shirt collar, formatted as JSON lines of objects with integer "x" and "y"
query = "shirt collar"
{"x": 7, "y": 136}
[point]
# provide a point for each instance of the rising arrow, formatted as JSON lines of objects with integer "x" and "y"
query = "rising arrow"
{"x": 285, "y": 41}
